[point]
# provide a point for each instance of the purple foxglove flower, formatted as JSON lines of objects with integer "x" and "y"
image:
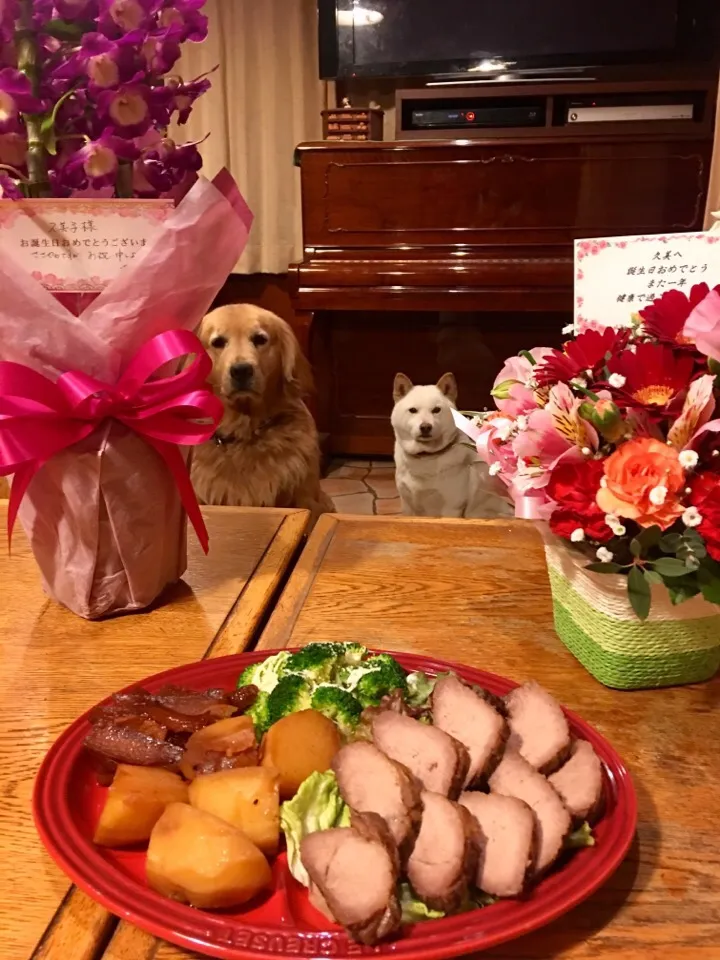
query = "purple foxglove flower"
{"x": 122, "y": 16}
{"x": 161, "y": 53}
{"x": 127, "y": 109}
{"x": 9, "y": 190}
{"x": 106, "y": 63}
{"x": 165, "y": 166}
{"x": 185, "y": 14}
{"x": 96, "y": 164}
{"x": 76, "y": 9}
{"x": 15, "y": 98}
{"x": 185, "y": 95}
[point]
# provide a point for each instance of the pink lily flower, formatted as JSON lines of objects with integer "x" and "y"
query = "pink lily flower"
{"x": 702, "y": 327}
{"x": 513, "y": 390}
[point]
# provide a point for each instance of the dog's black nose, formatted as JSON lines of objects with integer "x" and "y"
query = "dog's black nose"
{"x": 425, "y": 429}
{"x": 241, "y": 375}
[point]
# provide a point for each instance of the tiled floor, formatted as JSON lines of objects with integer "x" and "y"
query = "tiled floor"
{"x": 363, "y": 487}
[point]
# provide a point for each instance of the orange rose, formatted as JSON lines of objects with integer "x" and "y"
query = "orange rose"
{"x": 643, "y": 479}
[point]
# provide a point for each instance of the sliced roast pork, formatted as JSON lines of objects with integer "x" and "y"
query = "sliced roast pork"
{"x": 353, "y": 873}
{"x": 469, "y": 718}
{"x": 538, "y": 728}
{"x": 515, "y": 777}
{"x": 580, "y": 782}
{"x": 507, "y": 848}
{"x": 444, "y": 859}
{"x": 438, "y": 761}
{"x": 371, "y": 782}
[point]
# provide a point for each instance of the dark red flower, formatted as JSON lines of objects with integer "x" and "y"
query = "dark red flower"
{"x": 665, "y": 318}
{"x": 574, "y": 486}
{"x": 587, "y": 352}
{"x": 705, "y": 496}
{"x": 656, "y": 378}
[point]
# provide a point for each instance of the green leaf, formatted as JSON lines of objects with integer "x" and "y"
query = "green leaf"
{"x": 692, "y": 563}
{"x": 711, "y": 591}
{"x": 604, "y": 567}
{"x": 528, "y": 356}
{"x": 682, "y": 590}
{"x": 670, "y": 567}
{"x": 636, "y": 548}
{"x": 652, "y": 577}
{"x": 649, "y": 537}
{"x": 639, "y": 593}
{"x": 670, "y": 542}
{"x": 66, "y": 30}
{"x": 47, "y": 125}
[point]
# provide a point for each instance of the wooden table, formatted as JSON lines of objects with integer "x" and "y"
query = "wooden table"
{"x": 478, "y": 593}
{"x": 54, "y": 666}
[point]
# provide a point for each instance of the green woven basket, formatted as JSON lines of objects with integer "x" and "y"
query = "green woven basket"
{"x": 675, "y": 645}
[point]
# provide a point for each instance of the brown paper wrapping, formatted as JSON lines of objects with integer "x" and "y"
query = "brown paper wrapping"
{"x": 106, "y": 524}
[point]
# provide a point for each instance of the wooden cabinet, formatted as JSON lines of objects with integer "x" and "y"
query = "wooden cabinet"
{"x": 427, "y": 255}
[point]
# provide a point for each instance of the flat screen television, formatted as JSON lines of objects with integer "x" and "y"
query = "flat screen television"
{"x": 420, "y": 38}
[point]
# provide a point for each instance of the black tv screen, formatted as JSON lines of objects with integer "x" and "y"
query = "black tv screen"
{"x": 433, "y": 37}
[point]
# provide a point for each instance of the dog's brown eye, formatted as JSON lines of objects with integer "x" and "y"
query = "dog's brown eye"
{"x": 259, "y": 339}
{"x": 412, "y": 410}
{"x": 435, "y": 410}
{"x": 218, "y": 342}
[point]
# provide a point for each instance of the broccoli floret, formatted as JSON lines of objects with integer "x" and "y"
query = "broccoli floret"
{"x": 266, "y": 674}
{"x": 316, "y": 661}
{"x": 338, "y": 705}
{"x": 352, "y": 653}
{"x": 291, "y": 694}
{"x": 258, "y": 712}
{"x": 384, "y": 676}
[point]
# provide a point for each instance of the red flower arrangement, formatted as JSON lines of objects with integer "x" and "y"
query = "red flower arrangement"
{"x": 613, "y": 440}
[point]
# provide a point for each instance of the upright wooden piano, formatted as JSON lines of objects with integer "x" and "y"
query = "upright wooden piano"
{"x": 427, "y": 255}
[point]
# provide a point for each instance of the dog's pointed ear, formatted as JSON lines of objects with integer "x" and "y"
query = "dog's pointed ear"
{"x": 448, "y": 385}
{"x": 402, "y": 386}
{"x": 295, "y": 367}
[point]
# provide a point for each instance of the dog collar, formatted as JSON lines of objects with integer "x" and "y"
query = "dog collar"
{"x": 225, "y": 439}
{"x": 434, "y": 453}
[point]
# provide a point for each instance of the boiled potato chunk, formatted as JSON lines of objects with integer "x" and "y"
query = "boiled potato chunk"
{"x": 233, "y": 737}
{"x": 248, "y": 798}
{"x": 135, "y": 801}
{"x": 297, "y": 746}
{"x": 199, "y": 859}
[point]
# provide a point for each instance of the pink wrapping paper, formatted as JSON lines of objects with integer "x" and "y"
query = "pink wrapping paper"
{"x": 104, "y": 518}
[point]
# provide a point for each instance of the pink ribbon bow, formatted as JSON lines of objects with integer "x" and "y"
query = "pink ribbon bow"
{"x": 39, "y": 417}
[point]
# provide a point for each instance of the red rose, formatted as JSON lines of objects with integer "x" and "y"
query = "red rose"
{"x": 705, "y": 496}
{"x": 573, "y": 487}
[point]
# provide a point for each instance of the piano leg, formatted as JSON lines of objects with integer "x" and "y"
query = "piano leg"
{"x": 302, "y": 326}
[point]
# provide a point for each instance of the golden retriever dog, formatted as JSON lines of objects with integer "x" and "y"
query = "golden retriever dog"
{"x": 265, "y": 452}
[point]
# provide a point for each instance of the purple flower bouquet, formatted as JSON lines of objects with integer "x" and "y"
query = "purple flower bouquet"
{"x": 99, "y": 402}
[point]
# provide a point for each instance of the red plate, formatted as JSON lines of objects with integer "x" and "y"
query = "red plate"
{"x": 67, "y": 803}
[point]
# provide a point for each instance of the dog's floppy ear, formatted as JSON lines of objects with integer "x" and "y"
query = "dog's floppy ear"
{"x": 401, "y": 386}
{"x": 295, "y": 367}
{"x": 448, "y": 385}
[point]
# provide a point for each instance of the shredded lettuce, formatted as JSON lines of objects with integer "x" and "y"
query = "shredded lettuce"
{"x": 582, "y": 837}
{"x": 316, "y": 806}
{"x": 420, "y": 686}
{"x": 414, "y": 910}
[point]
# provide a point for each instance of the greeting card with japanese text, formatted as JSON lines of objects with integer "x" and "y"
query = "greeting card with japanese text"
{"x": 615, "y": 277}
{"x": 78, "y": 246}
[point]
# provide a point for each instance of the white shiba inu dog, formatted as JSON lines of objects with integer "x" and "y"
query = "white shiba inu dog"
{"x": 437, "y": 471}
